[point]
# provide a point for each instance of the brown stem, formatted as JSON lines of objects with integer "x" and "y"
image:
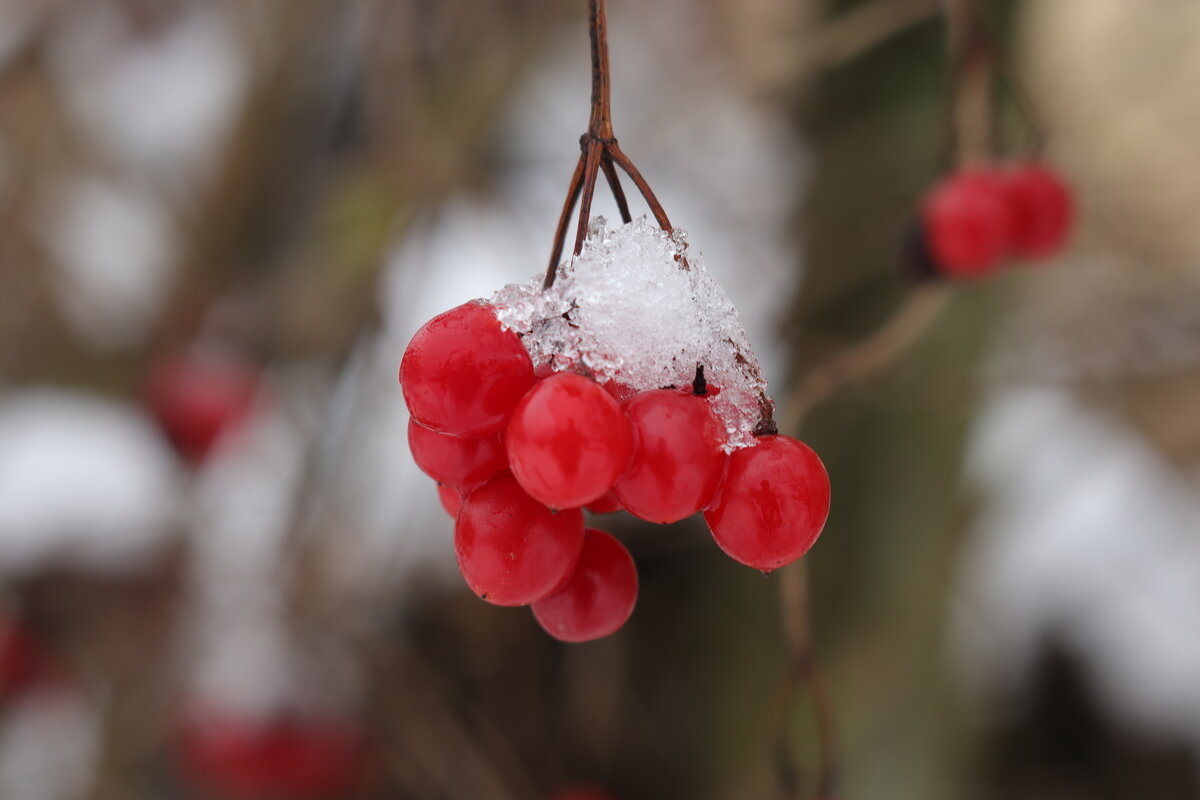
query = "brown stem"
{"x": 801, "y": 672}
{"x": 590, "y": 172}
{"x": 872, "y": 354}
{"x": 600, "y": 126}
{"x": 614, "y": 183}
{"x": 560, "y": 233}
{"x": 600, "y": 152}
{"x": 622, "y": 161}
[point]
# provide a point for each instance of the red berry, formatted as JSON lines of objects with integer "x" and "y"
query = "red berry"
{"x": 24, "y": 662}
{"x": 568, "y": 441}
{"x": 677, "y": 460}
{"x": 772, "y": 505}
{"x": 199, "y": 396}
{"x": 620, "y": 392}
{"x": 511, "y": 549}
{"x": 966, "y": 223}
{"x": 462, "y": 372}
{"x": 598, "y": 597}
{"x": 1040, "y": 210}
{"x": 264, "y": 759}
{"x": 458, "y": 461}
{"x": 608, "y": 504}
{"x": 451, "y": 500}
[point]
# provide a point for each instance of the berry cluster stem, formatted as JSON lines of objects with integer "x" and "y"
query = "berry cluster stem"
{"x": 599, "y": 152}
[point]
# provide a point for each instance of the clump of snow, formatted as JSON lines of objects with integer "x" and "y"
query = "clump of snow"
{"x": 638, "y": 308}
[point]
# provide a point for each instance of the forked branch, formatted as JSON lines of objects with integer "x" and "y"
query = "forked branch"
{"x": 599, "y": 151}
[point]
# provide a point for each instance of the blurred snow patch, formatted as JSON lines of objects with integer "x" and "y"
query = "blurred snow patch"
{"x": 160, "y": 100}
{"x": 83, "y": 481}
{"x": 1085, "y": 534}
{"x": 113, "y": 245}
{"x": 47, "y": 746}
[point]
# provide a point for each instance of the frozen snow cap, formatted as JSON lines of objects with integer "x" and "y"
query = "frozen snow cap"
{"x": 636, "y": 307}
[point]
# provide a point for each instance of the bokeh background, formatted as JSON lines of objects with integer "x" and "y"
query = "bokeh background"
{"x": 1005, "y": 602}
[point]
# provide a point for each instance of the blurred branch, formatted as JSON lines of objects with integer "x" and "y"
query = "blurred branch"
{"x": 875, "y": 353}
{"x": 846, "y": 37}
{"x": 802, "y": 672}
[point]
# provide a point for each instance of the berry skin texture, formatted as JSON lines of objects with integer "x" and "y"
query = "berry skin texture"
{"x": 1040, "y": 208}
{"x": 966, "y": 223}
{"x": 677, "y": 460}
{"x": 772, "y": 505}
{"x": 608, "y": 504}
{"x": 461, "y": 462}
{"x": 598, "y": 597}
{"x": 568, "y": 441}
{"x": 198, "y": 397}
{"x": 451, "y": 500}
{"x": 511, "y": 549}
{"x": 462, "y": 373}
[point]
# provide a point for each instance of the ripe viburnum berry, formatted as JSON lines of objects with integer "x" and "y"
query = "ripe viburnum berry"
{"x": 608, "y": 504}
{"x": 451, "y": 500}
{"x": 598, "y": 597}
{"x": 965, "y": 220}
{"x": 772, "y": 504}
{"x": 568, "y": 441}
{"x": 459, "y": 461}
{"x": 511, "y": 549}
{"x": 199, "y": 396}
{"x": 462, "y": 373}
{"x": 1040, "y": 210}
{"x": 677, "y": 459}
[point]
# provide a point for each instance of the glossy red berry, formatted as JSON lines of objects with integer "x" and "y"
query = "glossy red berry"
{"x": 511, "y": 549}
{"x": 772, "y": 504}
{"x": 451, "y": 500}
{"x": 1040, "y": 210}
{"x": 199, "y": 396}
{"x": 965, "y": 219}
{"x": 677, "y": 459}
{"x": 598, "y": 597}
{"x": 462, "y": 372}
{"x": 261, "y": 759}
{"x": 608, "y": 504}
{"x": 568, "y": 441}
{"x": 459, "y": 461}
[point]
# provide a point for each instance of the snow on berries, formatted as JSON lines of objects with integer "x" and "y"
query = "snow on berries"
{"x": 976, "y": 217}
{"x": 628, "y": 384}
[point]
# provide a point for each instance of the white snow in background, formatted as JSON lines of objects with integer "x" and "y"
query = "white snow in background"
{"x": 83, "y": 482}
{"x": 48, "y": 746}
{"x": 113, "y": 246}
{"x": 637, "y": 306}
{"x": 159, "y": 100}
{"x": 1085, "y": 533}
{"x": 239, "y": 655}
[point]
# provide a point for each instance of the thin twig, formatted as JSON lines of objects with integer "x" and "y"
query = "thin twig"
{"x": 564, "y": 219}
{"x": 623, "y": 161}
{"x": 906, "y": 325}
{"x": 600, "y": 152}
{"x": 590, "y": 171}
{"x": 614, "y": 183}
{"x": 802, "y": 672}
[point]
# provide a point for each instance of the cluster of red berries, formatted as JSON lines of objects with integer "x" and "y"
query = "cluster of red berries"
{"x": 519, "y": 455}
{"x": 976, "y": 217}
